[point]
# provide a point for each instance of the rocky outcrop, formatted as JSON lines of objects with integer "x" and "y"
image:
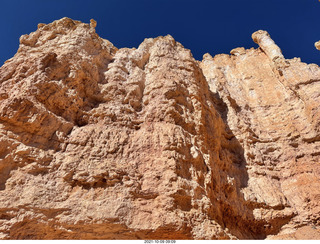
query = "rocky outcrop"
{"x": 148, "y": 143}
{"x": 271, "y": 107}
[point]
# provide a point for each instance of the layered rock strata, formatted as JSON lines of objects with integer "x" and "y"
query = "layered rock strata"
{"x": 148, "y": 143}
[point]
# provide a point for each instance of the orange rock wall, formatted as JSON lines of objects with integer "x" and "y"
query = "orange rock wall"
{"x": 104, "y": 143}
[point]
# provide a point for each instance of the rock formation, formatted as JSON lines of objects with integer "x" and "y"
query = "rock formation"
{"x": 104, "y": 143}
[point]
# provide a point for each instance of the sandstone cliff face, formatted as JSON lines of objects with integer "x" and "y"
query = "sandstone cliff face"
{"x": 148, "y": 143}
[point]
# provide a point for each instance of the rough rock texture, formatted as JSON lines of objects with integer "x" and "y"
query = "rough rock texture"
{"x": 148, "y": 143}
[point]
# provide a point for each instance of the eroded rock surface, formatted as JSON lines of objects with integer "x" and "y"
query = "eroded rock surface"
{"x": 148, "y": 143}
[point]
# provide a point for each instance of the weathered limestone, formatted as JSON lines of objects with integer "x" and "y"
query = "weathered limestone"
{"x": 263, "y": 39}
{"x": 147, "y": 143}
{"x": 317, "y": 45}
{"x": 281, "y": 144}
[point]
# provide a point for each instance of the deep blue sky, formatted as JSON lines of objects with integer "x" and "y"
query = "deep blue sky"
{"x": 214, "y": 26}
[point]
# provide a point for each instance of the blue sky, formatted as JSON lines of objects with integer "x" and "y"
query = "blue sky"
{"x": 200, "y": 25}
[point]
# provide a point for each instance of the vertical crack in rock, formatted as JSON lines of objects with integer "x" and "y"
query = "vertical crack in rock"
{"x": 147, "y": 143}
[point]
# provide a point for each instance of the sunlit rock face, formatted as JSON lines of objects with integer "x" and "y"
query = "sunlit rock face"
{"x": 104, "y": 143}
